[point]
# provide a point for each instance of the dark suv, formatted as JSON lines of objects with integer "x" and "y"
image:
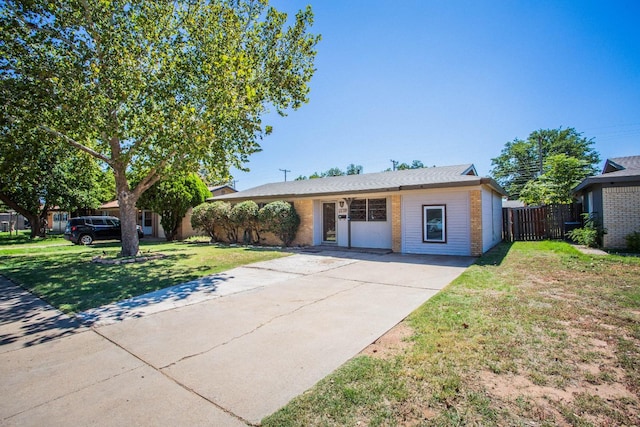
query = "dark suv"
{"x": 83, "y": 230}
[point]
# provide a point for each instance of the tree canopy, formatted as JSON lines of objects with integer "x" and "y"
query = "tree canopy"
{"x": 38, "y": 172}
{"x": 172, "y": 197}
{"x": 153, "y": 87}
{"x": 523, "y": 161}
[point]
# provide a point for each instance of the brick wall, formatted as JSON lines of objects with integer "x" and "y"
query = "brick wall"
{"x": 620, "y": 214}
{"x": 475, "y": 219}
{"x": 305, "y": 231}
{"x": 396, "y": 223}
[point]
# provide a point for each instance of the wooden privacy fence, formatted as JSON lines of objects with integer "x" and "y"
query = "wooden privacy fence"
{"x": 539, "y": 222}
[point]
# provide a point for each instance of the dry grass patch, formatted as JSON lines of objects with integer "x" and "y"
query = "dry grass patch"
{"x": 534, "y": 334}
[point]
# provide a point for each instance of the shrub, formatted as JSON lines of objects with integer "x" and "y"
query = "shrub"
{"x": 245, "y": 216}
{"x": 590, "y": 234}
{"x": 214, "y": 219}
{"x": 281, "y": 219}
{"x": 633, "y": 241}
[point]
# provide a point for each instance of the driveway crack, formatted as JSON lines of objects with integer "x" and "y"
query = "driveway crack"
{"x": 263, "y": 324}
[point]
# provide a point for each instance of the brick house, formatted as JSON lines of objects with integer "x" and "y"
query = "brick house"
{"x": 446, "y": 210}
{"x": 613, "y": 197}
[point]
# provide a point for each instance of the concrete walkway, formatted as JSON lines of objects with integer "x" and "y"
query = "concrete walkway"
{"x": 227, "y": 350}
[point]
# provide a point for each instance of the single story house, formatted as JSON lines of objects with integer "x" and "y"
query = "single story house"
{"x": 613, "y": 197}
{"x": 446, "y": 210}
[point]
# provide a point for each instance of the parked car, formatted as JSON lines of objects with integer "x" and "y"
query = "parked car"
{"x": 83, "y": 230}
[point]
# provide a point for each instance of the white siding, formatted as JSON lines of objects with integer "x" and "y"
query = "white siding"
{"x": 364, "y": 234}
{"x": 457, "y": 221}
{"x": 491, "y": 219}
{"x": 372, "y": 234}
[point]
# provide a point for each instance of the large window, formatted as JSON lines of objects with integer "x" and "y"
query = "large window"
{"x": 368, "y": 210}
{"x": 434, "y": 221}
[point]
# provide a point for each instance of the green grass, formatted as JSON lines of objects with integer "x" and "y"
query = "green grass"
{"x": 526, "y": 319}
{"x": 63, "y": 274}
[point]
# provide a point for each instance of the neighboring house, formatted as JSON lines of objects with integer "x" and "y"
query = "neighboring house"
{"x": 57, "y": 219}
{"x": 221, "y": 190}
{"x": 149, "y": 221}
{"x": 441, "y": 210}
{"x": 512, "y": 203}
{"x": 11, "y": 221}
{"x": 613, "y": 197}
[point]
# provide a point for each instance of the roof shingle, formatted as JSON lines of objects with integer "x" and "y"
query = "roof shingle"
{"x": 443, "y": 176}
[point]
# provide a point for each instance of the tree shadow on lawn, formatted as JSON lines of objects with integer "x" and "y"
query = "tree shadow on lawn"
{"x": 26, "y": 320}
{"x": 72, "y": 283}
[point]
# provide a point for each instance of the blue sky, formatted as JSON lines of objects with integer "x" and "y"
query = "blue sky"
{"x": 450, "y": 82}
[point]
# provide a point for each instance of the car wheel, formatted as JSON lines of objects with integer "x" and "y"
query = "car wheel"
{"x": 86, "y": 239}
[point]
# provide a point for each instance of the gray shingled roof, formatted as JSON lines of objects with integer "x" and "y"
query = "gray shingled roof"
{"x": 444, "y": 176}
{"x": 616, "y": 169}
{"x": 618, "y": 164}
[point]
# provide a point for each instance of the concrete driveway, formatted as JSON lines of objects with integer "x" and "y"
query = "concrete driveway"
{"x": 224, "y": 350}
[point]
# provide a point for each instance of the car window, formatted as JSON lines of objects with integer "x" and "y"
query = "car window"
{"x": 114, "y": 222}
{"x": 98, "y": 221}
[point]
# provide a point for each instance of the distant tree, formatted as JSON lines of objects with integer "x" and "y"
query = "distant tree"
{"x": 301, "y": 178}
{"x": 171, "y": 199}
{"x": 281, "y": 219}
{"x": 561, "y": 174}
{"x": 334, "y": 172}
{"x": 521, "y": 162}
{"x": 416, "y": 164}
{"x": 354, "y": 169}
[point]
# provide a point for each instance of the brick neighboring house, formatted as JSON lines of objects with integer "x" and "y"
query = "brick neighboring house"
{"x": 613, "y": 197}
{"x": 447, "y": 210}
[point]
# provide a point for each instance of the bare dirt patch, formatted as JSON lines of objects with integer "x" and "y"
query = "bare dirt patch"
{"x": 394, "y": 342}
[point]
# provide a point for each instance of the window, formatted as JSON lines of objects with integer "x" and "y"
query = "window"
{"x": 377, "y": 210}
{"x": 434, "y": 221}
{"x": 358, "y": 210}
{"x": 368, "y": 210}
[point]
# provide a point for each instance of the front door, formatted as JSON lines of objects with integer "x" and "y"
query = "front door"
{"x": 145, "y": 220}
{"x": 329, "y": 222}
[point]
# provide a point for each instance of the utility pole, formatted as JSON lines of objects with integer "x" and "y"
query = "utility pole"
{"x": 394, "y": 163}
{"x": 233, "y": 183}
{"x": 540, "y": 152}
{"x": 285, "y": 173}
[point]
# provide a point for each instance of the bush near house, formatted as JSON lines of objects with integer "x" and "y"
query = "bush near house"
{"x": 281, "y": 219}
{"x": 590, "y": 234}
{"x": 245, "y": 217}
{"x": 221, "y": 221}
{"x": 633, "y": 241}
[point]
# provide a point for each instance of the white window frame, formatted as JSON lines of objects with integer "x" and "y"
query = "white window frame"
{"x": 425, "y": 225}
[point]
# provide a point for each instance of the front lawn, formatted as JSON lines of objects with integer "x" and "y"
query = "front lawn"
{"x": 63, "y": 274}
{"x": 533, "y": 334}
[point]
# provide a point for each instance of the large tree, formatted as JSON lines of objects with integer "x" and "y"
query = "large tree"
{"x": 152, "y": 87}
{"x": 38, "y": 172}
{"x": 172, "y": 197}
{"x": 522, "y": 161}
{"x": 561, "y": 174}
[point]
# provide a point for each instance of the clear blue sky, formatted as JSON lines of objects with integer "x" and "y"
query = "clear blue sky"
{"x": 450, "y": 82}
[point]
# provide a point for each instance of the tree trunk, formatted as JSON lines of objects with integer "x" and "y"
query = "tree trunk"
{"x": 34, "y": 218}
{"x": 128, "y": 217}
